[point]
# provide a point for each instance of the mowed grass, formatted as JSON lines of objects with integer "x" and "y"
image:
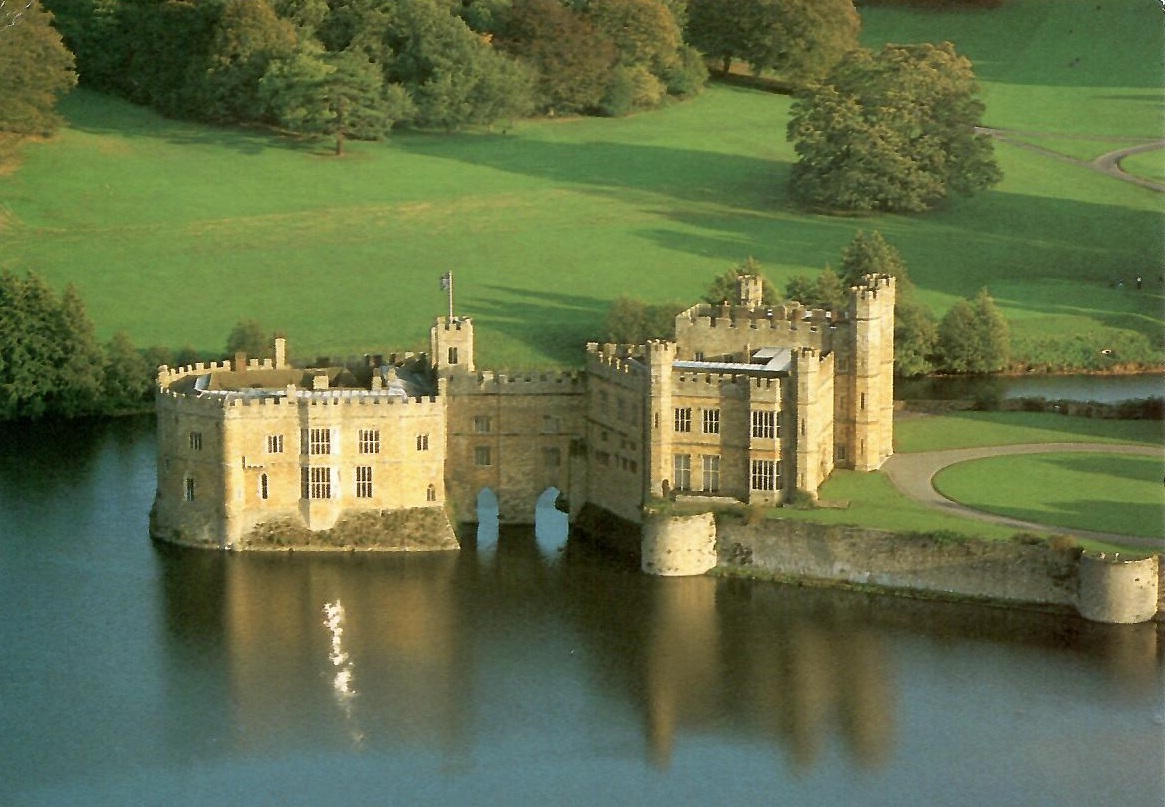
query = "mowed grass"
{"x": 173, "y": 231}
{"x": 1103, "y": 493}
{"x": 977, "y": 429}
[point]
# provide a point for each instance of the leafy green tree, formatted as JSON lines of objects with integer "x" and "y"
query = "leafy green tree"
{"x": 453, "y": 74}
{"x": 247, "y": 38}
{"x": 644, "y": 32}
{"x": 892, "y": 130}
{"x": 128, "y": 380}
{"x": 337, "y": 95}
{"x": 572, "y": 61}
{"x": 632, "y": 322}
{"x": 726, "y": 286}
{"x": 973, "y": 337}
{"x": 797, "y": 38}
{"x": 915, "y": 338}
{"x": 801, "y": 288}
{"x": 249, "y": 337}
{"x": 306, "y": 15}
{"x": 993, "y": 334}
{"x": 36, "y": 69}
{"x": 871, "y": 254}
{"x": 830, "y": 292}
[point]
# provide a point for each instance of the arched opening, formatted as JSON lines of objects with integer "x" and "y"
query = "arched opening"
{"x": 551, "y": 525}
{"x": 487, "y": 519}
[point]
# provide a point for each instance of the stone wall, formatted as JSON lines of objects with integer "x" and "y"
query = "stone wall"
{"x": 1102, "y": 589}
{"x": 679, "y": 545}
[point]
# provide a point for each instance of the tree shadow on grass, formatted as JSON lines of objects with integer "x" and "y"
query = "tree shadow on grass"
{"x": 96, "y": 113}
{"x": 557, "y": 325}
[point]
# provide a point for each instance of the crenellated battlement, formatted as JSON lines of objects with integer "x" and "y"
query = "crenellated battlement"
{"x": 227, "y": 399}
{"x": 502, "y": 382}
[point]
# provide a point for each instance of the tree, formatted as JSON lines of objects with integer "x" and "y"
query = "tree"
{"x": 892, "y": 130}
{"x": 249, "y": 337}
{"x": 247, "y": 38}
{"x": 571, "y": 60}
{"x": 915, "y": 338}
{"x": 800, "y": 39}
{"x": 726, "y": 287}
{"x": 870, "y": 254}
{"x": 632, "y": 322}
{"x": 337, "y": 95}
{"x": 36, "y": 69}
{"x": 128, "y": 379}
{"x": 973, "y": 337}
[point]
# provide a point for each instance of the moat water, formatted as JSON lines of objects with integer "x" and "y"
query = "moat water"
{"x": 517, "y": 672}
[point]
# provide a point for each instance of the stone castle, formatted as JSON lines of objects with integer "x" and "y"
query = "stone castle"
{"x": 748, "y": 403}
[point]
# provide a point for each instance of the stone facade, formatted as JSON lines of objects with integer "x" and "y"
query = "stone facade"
{"x": 748, "y": 402}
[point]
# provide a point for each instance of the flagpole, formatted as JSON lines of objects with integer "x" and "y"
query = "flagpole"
{"x": 450, "y": 297}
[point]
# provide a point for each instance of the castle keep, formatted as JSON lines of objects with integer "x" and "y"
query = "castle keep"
{"x": 748, "y": 403}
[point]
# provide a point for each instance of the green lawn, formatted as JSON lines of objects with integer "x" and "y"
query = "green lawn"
{"x": 173, "y": 231}
{"x": 975, "y": 429}
{"x": 1150, "y": 165}
{"x": 1104, "y": 493}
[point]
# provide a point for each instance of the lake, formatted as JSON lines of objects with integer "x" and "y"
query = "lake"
{"x": 521, "y": 671}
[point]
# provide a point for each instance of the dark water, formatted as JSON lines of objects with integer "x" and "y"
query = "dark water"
{"x": 515, "y": 673}
{"x": 1103, "y": 389}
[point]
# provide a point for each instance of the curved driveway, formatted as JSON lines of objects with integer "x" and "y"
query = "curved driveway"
{"x": 913, "y": 474}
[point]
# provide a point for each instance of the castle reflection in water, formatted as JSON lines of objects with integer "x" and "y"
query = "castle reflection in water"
{"x": 392, "y": 651}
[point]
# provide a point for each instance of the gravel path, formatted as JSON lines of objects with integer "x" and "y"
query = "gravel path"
{"x": 1106, "y": 163}
{"x": 913, "y": 474}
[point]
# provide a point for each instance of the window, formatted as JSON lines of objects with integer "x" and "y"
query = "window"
{"x": 188, "y": 485}
{"x": 711, "y": 421}
{"x": 422, "y": 442}
{"x": 604, "y": 401}
{"x": 551, "y": 457}
{"x": 603, "y": 458}
{"x": 263, "y": 491}
{"x": 431, "y": 494}
{"x": 863, "y": 401}
{"x": 315, "y": 483}
{"x": 682, "y": 471}
{"x": 764, "y": 475}
{"x": 550, "y": 424}
{"x": 620, "y": 408}
{"x": 363, "y": 481}
{"x": 683, "y": 420}
{"x": 481, "y": 424}
{"x": 369, "y": 441}
{"x": 763, "y": 424}
{"x": 711, "y": 468}
{"x": 316, "y": 441}
{"x": 839, "y": 452}
{"x": 453, "y": 355}
{"x": 481, "y": 456}
{"x": 274, "y": 444}
{"x": 196, "y": 441}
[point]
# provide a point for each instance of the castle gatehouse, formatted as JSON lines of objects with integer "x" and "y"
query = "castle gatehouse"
{"x": 748, "y": 402}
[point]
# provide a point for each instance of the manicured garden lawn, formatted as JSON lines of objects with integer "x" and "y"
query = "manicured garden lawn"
{"x": 974, "y": 429}
{"x": 1104, "y": 493}
{"x": 873, "y": 501}
{"x": 1150, "y": 165}
{"x": 173, "y": 231}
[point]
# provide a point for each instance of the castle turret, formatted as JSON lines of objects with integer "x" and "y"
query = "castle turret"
{"x": 750, "y": 290}
{"x": 451, "y": 345}
{"x": 871, "y": 373}
{"x": 660, "y": 358}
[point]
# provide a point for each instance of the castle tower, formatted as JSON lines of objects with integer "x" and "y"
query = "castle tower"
{"x": 871, "y": 381}
{"x": 750, "y": 290}
{"x": 660, "y": 357}
{"x": 279, "y": 353}
{"x": 451, "y": 345}
{"x": 814, "y": 420}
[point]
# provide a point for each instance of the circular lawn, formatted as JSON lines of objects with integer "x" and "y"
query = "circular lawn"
{"x": 1112, "y": 493}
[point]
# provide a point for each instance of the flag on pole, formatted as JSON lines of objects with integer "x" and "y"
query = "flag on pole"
{"x": 446, "y": 281}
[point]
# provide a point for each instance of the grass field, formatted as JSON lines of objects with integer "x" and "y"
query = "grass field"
{"x": 173, "y": 231}
{"x": 976, "y": 429}
{"x": 1104, "y": 493}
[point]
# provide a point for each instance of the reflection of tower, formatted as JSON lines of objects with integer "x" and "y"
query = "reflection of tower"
{"x": 682, "y": 664}
{"x": 451, "y": 345}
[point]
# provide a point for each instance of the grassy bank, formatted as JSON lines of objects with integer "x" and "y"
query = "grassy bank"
{"x": 1103, "y": 493}
{"x": 976, "y": 429}
{"x": 174, "y": 231}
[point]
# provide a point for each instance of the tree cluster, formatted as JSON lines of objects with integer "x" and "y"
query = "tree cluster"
{"x": 51, "y": 364}
{"x": 36, "y": 69}
{"x": 892, "y": 130}
{"x": 356, "y": 68}
{"x": 971, "y": 338}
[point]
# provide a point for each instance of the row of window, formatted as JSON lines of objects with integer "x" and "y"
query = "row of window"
{"x": 623, "y": 411}
{"x": 764, "y": 422}
{"x": 483, "y": 456}
{"x": 763, "y": 474}
{"x": 483, "y": 424}
{"x": 315, "y": 483}
{"x": 318, "y": 442}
